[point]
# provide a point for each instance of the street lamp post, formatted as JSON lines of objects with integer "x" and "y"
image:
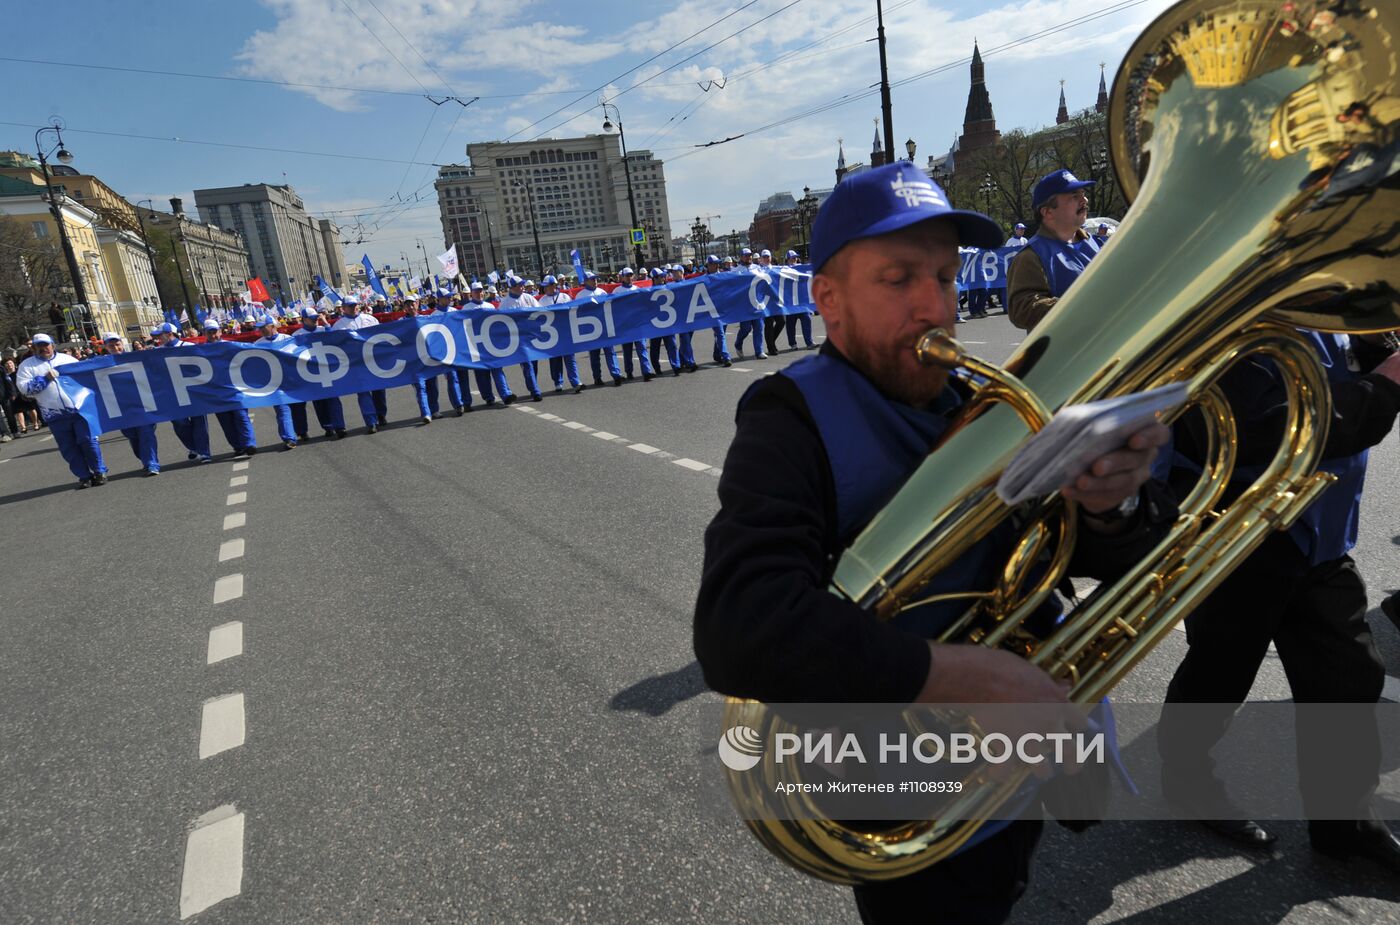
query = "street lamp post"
{"x": 626, "y": 172}
{"x": 534, "y": 220}
{"x": 56, "y": 208}
{"x": 427, "y": 268}
{"x": 150, "y": 254}
{"x": 909, "y": 146}
{"x": 806, "y": 210}
{"x": 988, "y": 187}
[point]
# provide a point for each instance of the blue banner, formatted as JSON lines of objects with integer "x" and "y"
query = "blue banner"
{"x": 986, "y": 269}
{"x": 373, "y": 277}
{"x": 164, "y": 384}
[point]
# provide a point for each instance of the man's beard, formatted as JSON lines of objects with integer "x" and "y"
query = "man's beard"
{"x": 884, "y": 368}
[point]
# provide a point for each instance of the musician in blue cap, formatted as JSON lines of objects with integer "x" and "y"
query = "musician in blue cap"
{"x": 1056, "y": 254}
{"x": 37, "y": 378}
{"x": 192, "y": 431}
{"x": 236, "y": 425}
{"x": 142, "y": 437}
{"x": 330, "y": 414}
{"x": 819, "y": 450}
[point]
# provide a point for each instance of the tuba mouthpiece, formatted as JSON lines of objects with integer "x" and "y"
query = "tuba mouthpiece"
{"x": 939, "y": 348}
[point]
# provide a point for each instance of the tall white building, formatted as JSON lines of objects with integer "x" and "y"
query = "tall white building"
{"x": 580, "y": 202}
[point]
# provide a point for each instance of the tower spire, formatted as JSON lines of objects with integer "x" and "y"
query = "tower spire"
{"x": 1062, "y": 116}
{"x": 979, "y": 123}
{"x": 1102, "y": 104}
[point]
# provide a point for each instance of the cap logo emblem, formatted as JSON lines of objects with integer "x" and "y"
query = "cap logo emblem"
{"x": 916, "y": 192}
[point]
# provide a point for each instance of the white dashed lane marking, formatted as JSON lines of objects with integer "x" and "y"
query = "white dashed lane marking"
{"x": 225, "y": 642}
{"x": 574, "y": 425}
{"x": 238, "y": 481}
{"x": 240, "y": 466}
{"x": 213, "y": 860}
{"x": 231, "y": 549}
{"x": 222, "y": 725}
{"x": 604, "y": 435}
{"x": 644, "y": 448}
{"x": 228, "y": 588}
{"x": 233, "y": 521}
{"x": 694, "y": 465}
{"x": 237, "y": 497}
{"x": 740, "y": 369}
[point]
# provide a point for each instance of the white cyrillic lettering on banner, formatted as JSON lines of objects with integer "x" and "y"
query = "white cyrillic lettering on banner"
{"x": 204, "y": 373}
{"x": 422, "y": 343}
{"x": 372, "y": 364}
{"x": 324, "y": 376}
{"x": 546, "y": 320}
{"x": 753, "y": 292}
{"x": 578, "y": 323}
{"x": 274, "y": 372}
{"x": 701, "y": 304}
{"x": 668, "y": 310}
{"x": 109, "y": 395}
{"x": 512, "y": 335}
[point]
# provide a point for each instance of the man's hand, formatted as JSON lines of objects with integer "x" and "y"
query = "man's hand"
{"x": 1114, "y": 477}
{"x": 1390, "y": 368}
{"x": 52, "y": 374}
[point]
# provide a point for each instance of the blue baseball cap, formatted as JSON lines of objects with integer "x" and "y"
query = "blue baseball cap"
{"x": 746, "y": 253}
{"x": 265, "y": 320}
{"x": 549, "y": 280}
{"x": 41, "y": 339}
{"x": 163, "y": 328}
{"x": 1061, "y": 181}
{"x": 211, "y": 325}
{"x": 476, "y": 286}
{"x": 886, "y": 199}
{"x": 712, "y": 259}
{"x": 793, "y": 254}
{"x": 625, "y": 271}
{"x": 308, "y": 313}
{"x": 589, "y": 274}
{"x": 108, "y": 336}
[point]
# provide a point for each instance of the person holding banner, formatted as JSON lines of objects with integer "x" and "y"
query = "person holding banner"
{"x": 142, "y": 437}
{"x": 517, "y": 297}
{"x": 485, "y": 378}
{"x": 192, "y": 431}
{"x": 660, "y": 276}
{"x": 592, "y": 291}
{"x": 352, "y": 319}
{"x": 625, "y": 287}
{"x": 37, "y": 378}
{"x": 426, "y": 388}
{"x": 236, "y": 425}
{"x": 721, "y": 351}
{"x": 550, "y": 296}
{"x": 754, "y": 326}
{"x": 804, "y": 318}
{"x": 291, "y": 418}
{"x": 684, "y": 340}
{"x": 1057, "y": 253}
{"x": 329, "y": 413}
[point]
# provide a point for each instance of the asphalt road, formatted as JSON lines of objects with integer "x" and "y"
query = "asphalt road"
{"x": 467, "y": 687}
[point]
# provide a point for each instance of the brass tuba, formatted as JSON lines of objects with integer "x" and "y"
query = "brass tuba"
{"x": 1259, "y": 142}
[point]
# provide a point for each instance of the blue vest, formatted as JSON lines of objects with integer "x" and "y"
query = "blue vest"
{"x": 1063, "y": 262}
{"x": 1327, "y": 529}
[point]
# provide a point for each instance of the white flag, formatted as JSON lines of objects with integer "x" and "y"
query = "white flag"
{"x": 449, "y": 261}
{"x": 414, "y": 284}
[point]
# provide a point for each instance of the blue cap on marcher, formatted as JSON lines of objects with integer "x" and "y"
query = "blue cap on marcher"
{"x": 308, "y": 312}
{"x": 625, "y": 271}
{"x": 589, "y": 274}
{"x": 793, "y": 254}
{"x": 712, "y": 259}
{"x": 657, "y": 271}
{"x": 765, "y": 253}
{"x": 165, "y": 327}
{"x": 476, "y": 286}
{"x": 746, "y": 253}
{"x": 549, "y": 280}
{"x": 211, "y": 325}
{"x": 41, "y": 339}
{"x": 110, "y": 336}
{"x": 265, "y": 320}
{"x": 887, "y": 199}
{"x": 1061, "y": 181}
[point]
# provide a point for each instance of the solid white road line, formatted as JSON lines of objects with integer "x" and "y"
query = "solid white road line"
{"x": 237, "y": 481}
{"x": 222, "y": 726}
{"x": 240, "y": 466}
{"x": 228, "y": 588}
{"x": 644, "y": 448}
{"x": 235, "y": 520}
{"x": 225, "y": 641}
{"x": 693, "y": 464}
{"x": 237, "y": 497}
{"x": 231, "y": 549}
{"x": 213, "y": 860}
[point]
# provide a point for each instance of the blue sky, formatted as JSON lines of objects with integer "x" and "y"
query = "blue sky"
{"x": 526, "y": 59}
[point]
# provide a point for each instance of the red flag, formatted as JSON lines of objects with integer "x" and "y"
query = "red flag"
{"x": 259, "y": 291}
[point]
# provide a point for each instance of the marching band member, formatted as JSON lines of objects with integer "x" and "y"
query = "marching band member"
{"x": 1058, "y": 253}
{"x": 37, "y": 378}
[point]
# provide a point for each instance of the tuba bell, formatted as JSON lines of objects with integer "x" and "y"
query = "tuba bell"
{"x": 1259, "y": 144}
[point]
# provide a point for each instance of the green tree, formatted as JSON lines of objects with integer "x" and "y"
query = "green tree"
{"x": 164, "y": 243}
{"x": 33, "y": 275}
